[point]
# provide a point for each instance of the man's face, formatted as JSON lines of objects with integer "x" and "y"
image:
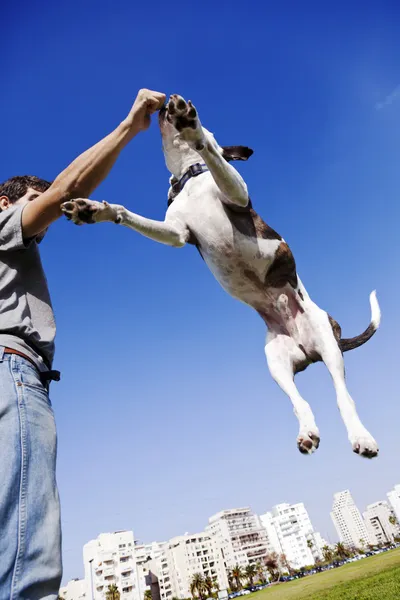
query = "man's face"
{"x": 30, "y": 196}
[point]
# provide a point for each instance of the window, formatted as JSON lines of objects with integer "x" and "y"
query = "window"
{"x": 122, "y": 546}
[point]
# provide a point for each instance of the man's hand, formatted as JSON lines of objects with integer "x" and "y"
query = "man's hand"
{"x": 85, "y": 173}
{"x": 147, "y": 102}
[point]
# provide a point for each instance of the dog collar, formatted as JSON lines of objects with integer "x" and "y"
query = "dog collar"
{"x": 177, "y": 186}
{"x": 193, "y": 171}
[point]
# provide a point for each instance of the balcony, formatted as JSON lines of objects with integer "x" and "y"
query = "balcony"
{"x": 127, "y": 582}
{"x": 107, "y": 556}
{"x": 108, "y": 571}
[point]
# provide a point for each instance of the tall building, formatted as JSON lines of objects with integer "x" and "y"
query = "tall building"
{"x": 171, "y": 570}
{"x": 146, "y": 555}
{"x": 348, "y": 521}
{"x": 290, "y": 532}
{"x": 110, "y": 560}
{"x": 377, "y": 519}
{"x": 74, "y": 590}
{"x": 239, "y": 537}
{"x": 394, "y": 499}
{"x": 197, "y": 553}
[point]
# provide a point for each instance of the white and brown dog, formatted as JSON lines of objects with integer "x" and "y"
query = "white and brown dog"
{"x": 209, "y": 206}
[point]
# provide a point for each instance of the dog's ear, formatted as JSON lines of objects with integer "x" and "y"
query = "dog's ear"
{"x": 236, "y": 152}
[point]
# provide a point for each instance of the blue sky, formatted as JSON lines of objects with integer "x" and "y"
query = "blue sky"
{"x": 166, "y": 411}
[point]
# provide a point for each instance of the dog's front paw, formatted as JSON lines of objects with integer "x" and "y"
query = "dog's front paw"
{"x": 81, "y": 211}
{"x": 183, "y": 116}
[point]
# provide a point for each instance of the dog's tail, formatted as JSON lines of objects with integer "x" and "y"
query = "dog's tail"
{"x": 359, "y": 340}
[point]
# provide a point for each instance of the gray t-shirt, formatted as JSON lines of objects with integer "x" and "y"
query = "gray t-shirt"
{"x": 26, "y": 315}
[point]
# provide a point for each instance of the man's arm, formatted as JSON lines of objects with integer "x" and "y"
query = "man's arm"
{"x": 87, "y": 171}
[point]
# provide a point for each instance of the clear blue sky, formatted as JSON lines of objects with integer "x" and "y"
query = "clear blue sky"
{"x": 166, "y": 411}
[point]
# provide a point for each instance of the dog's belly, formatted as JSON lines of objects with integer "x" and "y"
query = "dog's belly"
{"x": 240, "y": 264}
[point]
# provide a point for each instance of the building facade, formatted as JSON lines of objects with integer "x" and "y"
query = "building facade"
{"x": 377, "y": 518}
{"x": 74, "y": 590}
{"x": 110, "y": 560}
{"x": 239, "y": 537}
{"x": 394, "y": 500}
{"x": 348, "y": 521}
{"x": 291, "y": 533}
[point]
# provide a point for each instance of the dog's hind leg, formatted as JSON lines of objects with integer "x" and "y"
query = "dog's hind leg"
{"x": 362, "y": 441}
{"x": 282, "y": 353}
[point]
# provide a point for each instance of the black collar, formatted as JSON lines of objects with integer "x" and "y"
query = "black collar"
{"x": 178, "y": 185}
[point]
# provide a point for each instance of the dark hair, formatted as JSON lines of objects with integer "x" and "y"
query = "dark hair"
{"x": 16, "y": 187}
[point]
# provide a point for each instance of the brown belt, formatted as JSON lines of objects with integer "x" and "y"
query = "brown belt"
{"x": 18, "y": 353}
{"x": 46, "y": 376}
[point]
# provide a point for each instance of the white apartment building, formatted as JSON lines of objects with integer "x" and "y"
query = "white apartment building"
{"x": 146, "y": 556}
{"x": 290, "y": 532}
{"x": 394, "y": 499}
{"x": 192, "y": 554}
{"x": 239, "y": 537}
{"x": 348, "y": 521}
{"x": 171, "y": 570}
{"x": 74, "y": 590}
{"x": 377, "y": 520}
{"x": 110, "y": 560}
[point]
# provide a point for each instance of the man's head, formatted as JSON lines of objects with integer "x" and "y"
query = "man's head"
{"x": 21, "y": 189}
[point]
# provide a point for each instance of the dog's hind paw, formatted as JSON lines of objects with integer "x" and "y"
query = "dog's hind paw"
{"x": 308, "y": 441}
{"x": 365, "y": 445}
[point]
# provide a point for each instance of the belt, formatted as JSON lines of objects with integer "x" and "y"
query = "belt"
{"x": 45, "y": 376}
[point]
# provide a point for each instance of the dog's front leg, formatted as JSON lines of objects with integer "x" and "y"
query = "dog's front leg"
{"x": 172, "y": 231}
{"x": 185, "y": 119}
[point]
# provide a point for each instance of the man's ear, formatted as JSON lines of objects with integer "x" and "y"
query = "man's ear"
{"x": 4, "y": 202}
{"x": 236, "y": 152}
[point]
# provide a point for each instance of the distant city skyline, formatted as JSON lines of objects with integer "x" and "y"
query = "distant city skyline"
{"x": 232, "y": 537}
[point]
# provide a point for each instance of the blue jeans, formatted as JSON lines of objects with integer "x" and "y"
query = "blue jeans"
{"x": 30, "y": 528}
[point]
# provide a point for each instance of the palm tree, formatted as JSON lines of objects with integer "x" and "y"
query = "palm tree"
{"x": 208, "y": 586}
{"x": 261, "y": 572}
{"x": 198, "y": 584}
{"x": 285, "y": 563}
{"x": 250, "y": 572}
{"x": 328, "y": 554}
{"x": 341, "y": 551}
{"x": 112, "y": 592}
{"x": 272, "y": 564}
{"x": 193, "y": 589}
{"x": 147, "y": 595}
{"x": 231, "y": 579}
{"x": 237, "y": 575}
{"x": 393, "y": 520}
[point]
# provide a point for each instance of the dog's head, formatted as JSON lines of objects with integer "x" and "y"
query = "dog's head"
{"x": 179, "y": 155}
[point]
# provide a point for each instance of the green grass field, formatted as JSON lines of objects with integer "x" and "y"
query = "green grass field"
{"x": 373, "y": 578}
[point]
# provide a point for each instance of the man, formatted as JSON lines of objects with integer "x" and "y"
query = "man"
{"x": 30, "y": 538}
